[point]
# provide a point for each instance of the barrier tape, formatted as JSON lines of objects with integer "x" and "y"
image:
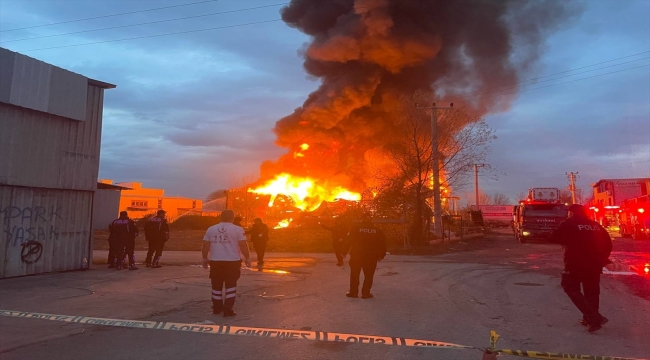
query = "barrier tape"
{"x": 558, "y": 356}
{"x": 301, "y": 335}
{"x": 239, "y": 330}
{"x": 494, "y": 337}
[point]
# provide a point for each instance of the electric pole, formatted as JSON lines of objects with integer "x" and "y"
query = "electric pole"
{"x": 476, "y": 166}
{"x": 435, "y": 166}
{"x": 572, "y": 185}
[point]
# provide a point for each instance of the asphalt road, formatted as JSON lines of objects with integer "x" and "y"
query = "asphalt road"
{"x": 496, "y": 284}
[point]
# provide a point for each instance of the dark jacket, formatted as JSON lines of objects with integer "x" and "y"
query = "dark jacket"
{"x": 156, "y": 229}
{"x": 123, "y": 229}
{"x": 339, "y": 232}
{"x": 259, "y": 233}
{"x": 587, "y": 245}
{"x": 365, "y": 242}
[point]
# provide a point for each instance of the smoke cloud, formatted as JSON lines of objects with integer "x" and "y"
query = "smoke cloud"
{"x": 369, "y": 53}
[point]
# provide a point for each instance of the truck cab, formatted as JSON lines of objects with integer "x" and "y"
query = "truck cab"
{"x": 539, "y": 215}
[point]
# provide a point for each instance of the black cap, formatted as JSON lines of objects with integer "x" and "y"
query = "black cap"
{"x": 578, "y": 209}
{"x": 123, "y": 213}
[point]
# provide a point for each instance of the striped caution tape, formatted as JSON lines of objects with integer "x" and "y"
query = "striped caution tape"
{"x": 299, "y": 335}
{"x": 494, "y": 337}
{"x": 558, "y": 356}
{"x": 239, "y": 330}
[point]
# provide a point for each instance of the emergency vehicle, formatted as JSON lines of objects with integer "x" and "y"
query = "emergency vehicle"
{"x": 538, "y": 215}
{"x": 634, "y": 218}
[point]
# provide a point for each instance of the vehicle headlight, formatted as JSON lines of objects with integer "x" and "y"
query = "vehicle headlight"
{"x": 526, "y": 233}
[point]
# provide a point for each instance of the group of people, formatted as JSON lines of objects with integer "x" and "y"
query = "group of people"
{"x": 587, "y": 247}
{"x": 224, "y": 245}
{"x": 121, "y": 241}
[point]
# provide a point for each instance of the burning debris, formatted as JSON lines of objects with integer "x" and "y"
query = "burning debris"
{"x": 367, "y": 55}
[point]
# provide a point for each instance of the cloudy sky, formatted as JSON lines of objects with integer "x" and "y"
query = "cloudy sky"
{"x": 193, "y": 111}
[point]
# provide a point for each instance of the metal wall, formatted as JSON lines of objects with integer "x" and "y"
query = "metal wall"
{"x": 44, "y": 230}
{"x": 34, "y": 84}
{"x": 44, "y": 150}
{"x": 106, "y": 208}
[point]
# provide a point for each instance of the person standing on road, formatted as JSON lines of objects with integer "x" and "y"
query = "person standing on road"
{"x": 259, "y": 236}
{"x": 221, "y": 249}
{"x": 587, "y": 247}
{"x": 367, "y": 245}
{"x": 339, "y": 232}
{"x": 123, "y": 231}
{"x": 156, "y": 231}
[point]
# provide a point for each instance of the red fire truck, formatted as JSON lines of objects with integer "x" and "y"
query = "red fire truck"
{"x": 634, "y": 218}
{"x": 539, "y": 215}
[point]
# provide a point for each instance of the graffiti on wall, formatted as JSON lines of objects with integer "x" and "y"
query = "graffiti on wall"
{"x": 30, "y": 225}
{"x": 31, "y": 252}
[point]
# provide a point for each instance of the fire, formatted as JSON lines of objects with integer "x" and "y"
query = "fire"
{"x": 299, "y": 153}
{"x": 283, "y": 224}
{"x": 305, "y": 192}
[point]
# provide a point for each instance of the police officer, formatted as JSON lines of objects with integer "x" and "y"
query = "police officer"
{"x": 123, "y": 231}
{"x": 339, "y": 232}
{"x": 259, "y": 236}
{"x": 587, "y": 247}
{"x": 367, "y": 245}
{"x": 156, "y": 231}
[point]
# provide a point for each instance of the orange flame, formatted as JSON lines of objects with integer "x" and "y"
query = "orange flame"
{"x": 283, "y": 224}
{"x": 298, "y": 154}
{"x": 305, "y": 192}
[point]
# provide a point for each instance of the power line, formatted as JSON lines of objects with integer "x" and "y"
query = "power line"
{"x": 566, "y": 82}
{"x": 522, "y": 82}
{"x": 151, "y": 36}
{"x": 145, "y": 23}
{"x": 111, "y": 15}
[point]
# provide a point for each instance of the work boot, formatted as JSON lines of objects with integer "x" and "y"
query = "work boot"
{"x": 132, "y": 263}
{"x": 228, "y": 313}
{"x": 351, "y": 295}
{"x": 598, "y": 325}
{"x": 367, "y": 296}
{"x": 155, "y": 263}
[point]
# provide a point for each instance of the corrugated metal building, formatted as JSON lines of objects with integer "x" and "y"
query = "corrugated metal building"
{"x": 50, "y": 135}
{"x": 106, "y": 204}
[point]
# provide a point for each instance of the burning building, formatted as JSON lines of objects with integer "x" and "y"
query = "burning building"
{"x": 368, "y": 54}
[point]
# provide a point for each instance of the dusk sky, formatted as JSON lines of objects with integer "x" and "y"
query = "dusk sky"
{"x": 194, "y": 112}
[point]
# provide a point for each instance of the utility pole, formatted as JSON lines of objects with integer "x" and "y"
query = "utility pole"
{"x": 476, "y": 166}
{"x": 572, "y": 185}
{"x": 435, "y": 166}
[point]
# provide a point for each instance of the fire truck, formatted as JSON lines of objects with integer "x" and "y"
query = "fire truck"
{"x": 634, "y": 218}
{"x": 538, "y": 215}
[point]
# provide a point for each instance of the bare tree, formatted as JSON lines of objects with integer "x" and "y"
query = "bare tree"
{"x": 500, "y": 199}
{"x": 404, "y": 165}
